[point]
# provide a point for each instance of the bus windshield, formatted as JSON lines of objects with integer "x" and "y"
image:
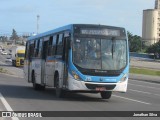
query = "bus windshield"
{"x": 20, "y": 54}
{"x": 100, "y": 54}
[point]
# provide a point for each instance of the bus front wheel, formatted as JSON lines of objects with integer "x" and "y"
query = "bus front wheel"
{"x": 106, "y": 94}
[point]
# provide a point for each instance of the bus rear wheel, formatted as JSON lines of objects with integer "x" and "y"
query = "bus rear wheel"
{"x": 59, "y": 91}
{"x": 106, "y": 94}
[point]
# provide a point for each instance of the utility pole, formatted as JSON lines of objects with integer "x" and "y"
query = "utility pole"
{"x": 38, "y": 23}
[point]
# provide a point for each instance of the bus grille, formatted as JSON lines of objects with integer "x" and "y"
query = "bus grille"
{"x": 94, "y": 86}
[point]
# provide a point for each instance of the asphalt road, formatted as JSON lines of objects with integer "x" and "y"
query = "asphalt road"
{"x": 18, "y": 95}
{"x": 141, "y": 96}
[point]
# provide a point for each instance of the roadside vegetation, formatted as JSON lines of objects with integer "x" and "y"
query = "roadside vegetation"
{"x": 3, "y": 70}
{"x": 138, "y": 45}
{"x": 144, "y": 71}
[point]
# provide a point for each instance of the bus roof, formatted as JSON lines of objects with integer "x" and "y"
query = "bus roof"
{"x": 51, "y": 32}
{"x": 69, "y": 27}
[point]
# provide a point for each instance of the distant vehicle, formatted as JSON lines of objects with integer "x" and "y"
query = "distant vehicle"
{"x": 18, "y": 55}
{"x": 4, "y": 53}
{"x": 8, "y": 59}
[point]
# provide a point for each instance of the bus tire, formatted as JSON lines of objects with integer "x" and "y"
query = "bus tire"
{"x": 35, "y": 85}
{"x": 106, "y": 94}
{"x": 59, "y": 91}
{"x": 42, "y": 87}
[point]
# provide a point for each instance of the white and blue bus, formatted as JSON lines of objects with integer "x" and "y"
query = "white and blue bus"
{"x": 79, "y": 58}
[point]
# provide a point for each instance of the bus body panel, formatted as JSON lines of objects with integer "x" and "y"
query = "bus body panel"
{"x": 37, "y": 67}
{"x": 50, "y": 70}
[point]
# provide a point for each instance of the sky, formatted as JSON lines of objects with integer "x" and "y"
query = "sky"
{"x": 21, "y": 15}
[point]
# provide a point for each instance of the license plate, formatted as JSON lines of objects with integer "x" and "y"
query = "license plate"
{"x": 100, "y": 88}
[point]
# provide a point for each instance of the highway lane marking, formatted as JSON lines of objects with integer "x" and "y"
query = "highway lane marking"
{"x": 145, "y": 82}
{"x": 144, "y": 86}
{"x": 132, "y": 99}
{"x": 144, "y": 92}
{"x": 7, "y": 106}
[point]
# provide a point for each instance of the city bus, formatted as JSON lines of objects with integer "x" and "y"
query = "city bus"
{"x": 86, "y": 58}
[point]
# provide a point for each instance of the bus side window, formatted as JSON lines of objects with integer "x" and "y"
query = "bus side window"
{"x": 60, "y": 45}
{"x": 31, "y": 50}
{"x": 40, "y": 48}
{"x": 34, "y": 48}
{"x": 50, "y": 46}
{"x": 54, "y": 44}
{"x": 45, "y": 49}
{"x": 37, "y": 48}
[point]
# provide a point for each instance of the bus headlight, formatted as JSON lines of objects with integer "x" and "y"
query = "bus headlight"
{"x": 124, "y": 78}
{"x": 75, "y": 75}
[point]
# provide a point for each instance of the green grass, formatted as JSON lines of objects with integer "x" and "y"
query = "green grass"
{"x": 2, "y": 70}
{"x": 144, "y": 71}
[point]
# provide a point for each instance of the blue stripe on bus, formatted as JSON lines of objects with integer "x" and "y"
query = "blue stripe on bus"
{"x": 54, "y": 59}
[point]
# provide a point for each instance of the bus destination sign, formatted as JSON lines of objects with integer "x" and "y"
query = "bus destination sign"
{"x": 105, "y": 32}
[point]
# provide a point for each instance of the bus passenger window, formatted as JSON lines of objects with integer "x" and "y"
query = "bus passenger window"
{"x": 40, "y": 48}
{"x": 60, "y": 45}
{"x": 50, "y": 46}
{"x": 54, "y": 44}
{"x": 37, "y": 48}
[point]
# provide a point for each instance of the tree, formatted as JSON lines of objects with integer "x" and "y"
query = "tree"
{"x": 14, "y": 35}
{"x": 3, "y": 38}
{"x": 134, "y": 42}
{"x": 155, "y": 48}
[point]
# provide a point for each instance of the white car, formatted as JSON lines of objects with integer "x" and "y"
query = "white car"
{"x": 8, "y": 60}
{"x": 4, "y": 53}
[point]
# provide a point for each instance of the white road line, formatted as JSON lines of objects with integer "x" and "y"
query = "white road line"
{"x": 7, "y": 106}
{"x": 144, "y": 86}
{"x": 132, "y": 99}
{"x": 140, "y": 91}
{"x": 144, "y": 92}
{"x": 144, "y": 82}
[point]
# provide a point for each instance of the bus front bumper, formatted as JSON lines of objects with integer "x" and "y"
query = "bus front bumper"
{"x": 75, "y": 85}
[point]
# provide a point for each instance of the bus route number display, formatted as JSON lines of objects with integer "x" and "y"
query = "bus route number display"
{"x": 105, "y": 32}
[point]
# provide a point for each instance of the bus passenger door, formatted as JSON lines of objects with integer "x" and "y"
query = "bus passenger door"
{"x": 27, "y": 63}
{"x": 43, "y": 61}
{"x": 65, "y": 56}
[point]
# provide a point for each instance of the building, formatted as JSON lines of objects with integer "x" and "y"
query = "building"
{"x": 151, "y": 25}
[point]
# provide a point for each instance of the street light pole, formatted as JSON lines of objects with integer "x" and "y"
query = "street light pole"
{"x": 38, "y": 23}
